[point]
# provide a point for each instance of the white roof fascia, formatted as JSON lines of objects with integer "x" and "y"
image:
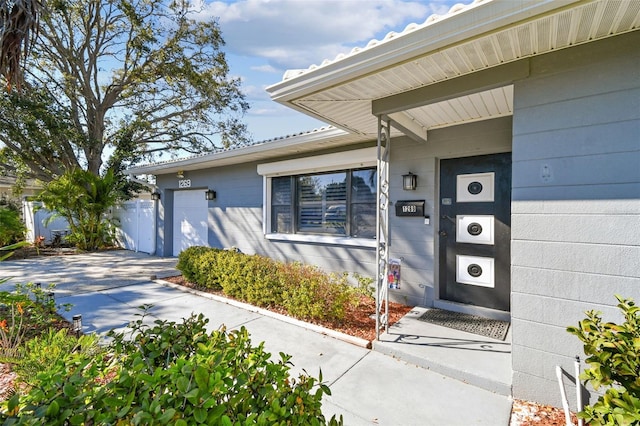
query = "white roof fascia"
{"x": 209, "y": 160}
{"x": 480, "y": 19}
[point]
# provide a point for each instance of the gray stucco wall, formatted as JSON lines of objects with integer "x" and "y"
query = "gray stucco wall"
{"x": 576, "y": 204}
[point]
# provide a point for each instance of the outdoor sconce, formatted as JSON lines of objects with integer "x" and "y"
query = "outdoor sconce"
{"x": 155, "y": 195}
{"x": 77, "y": 324}
{"x": 409, "y": 182}
{"x": 210, "y": 194}
{"x": 180, "y": 174}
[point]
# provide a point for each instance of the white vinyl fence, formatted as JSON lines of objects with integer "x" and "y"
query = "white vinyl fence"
{"x": 135, "y": 225}
{"x": 35, "y": 219}
{"x": 134, "y": 221}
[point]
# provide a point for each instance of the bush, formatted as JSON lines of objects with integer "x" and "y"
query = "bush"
{"x": 52, "y": 347}
{"x": 83, "y": 200}
{"x": 304, "y": 291}
{"x": 11, "y": 228}
{"x": 310, "y": 293}
{"x": 187, "y": 262}
{"x": 174, "y": 374}
{"x": 613, "y": 353}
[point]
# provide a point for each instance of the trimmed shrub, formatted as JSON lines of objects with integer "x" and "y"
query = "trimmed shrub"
{"x": 613, "y": 353}
{"x": 262, "y": 283}
{"x": 187, "y": 262}
{"x": 232, "y": 275}
{"x": 204, "y": 263}
{"x": 310, "y": 293}
{"x": 304, "y": 291}
{"x": 174, "y": 374}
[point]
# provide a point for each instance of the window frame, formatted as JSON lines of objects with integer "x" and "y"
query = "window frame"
{"x": 348, "y": 161}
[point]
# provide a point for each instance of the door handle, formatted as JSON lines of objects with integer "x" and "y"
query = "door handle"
{"x": 443, "y": 233}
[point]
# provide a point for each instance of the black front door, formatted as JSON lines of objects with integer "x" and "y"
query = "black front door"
{"x": 475, "y": 230}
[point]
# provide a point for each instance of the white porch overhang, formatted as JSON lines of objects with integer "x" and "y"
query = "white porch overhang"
{"x": 449, "y": 70}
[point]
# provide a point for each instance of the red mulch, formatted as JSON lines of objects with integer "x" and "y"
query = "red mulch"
{"x": 527, "y": 413}
{"x": 358, "y": 320}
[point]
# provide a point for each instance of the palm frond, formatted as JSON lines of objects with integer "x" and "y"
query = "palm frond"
{"x": 19, "y": 23}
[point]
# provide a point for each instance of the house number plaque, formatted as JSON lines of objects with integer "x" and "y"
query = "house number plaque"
{"x": 410, "y": 208}
{"x": 184, "y": 183}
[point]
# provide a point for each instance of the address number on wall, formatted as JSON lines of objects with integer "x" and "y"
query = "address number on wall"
{"x": 184, "y": 183}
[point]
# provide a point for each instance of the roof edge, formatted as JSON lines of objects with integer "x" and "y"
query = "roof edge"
{"x": 192, "y": 163}
{"x": 415, "y": 41}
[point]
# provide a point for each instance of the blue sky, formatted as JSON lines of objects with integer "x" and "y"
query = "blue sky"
{"x": 266, "y": 37}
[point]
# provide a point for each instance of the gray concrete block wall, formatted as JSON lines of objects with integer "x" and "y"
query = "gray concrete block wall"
{"x": 576, "y": 204}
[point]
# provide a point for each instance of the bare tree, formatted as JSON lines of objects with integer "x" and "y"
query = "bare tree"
{"x": 131, "y": 78}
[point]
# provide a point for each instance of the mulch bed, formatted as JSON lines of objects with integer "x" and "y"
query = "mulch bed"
{"x": 358, "y": 320}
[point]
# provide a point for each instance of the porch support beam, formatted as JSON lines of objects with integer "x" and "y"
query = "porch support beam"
{"x": 382, "y": 224}
{"x": 478, "y": 81}
{"x": 407, "y": 125}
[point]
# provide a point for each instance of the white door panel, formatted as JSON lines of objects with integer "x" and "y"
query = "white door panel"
{"x": 190, "y": 226}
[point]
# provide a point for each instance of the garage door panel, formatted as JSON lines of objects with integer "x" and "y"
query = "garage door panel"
{"x": 190, "y": 226}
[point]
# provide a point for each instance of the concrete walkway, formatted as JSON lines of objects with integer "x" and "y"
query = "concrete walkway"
{"x": 368, "y": 387}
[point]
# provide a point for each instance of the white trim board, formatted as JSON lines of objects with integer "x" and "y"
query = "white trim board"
{"x": 365, "y": 157}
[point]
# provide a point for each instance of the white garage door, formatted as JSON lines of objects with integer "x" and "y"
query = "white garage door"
{"x": 189, "y": 220}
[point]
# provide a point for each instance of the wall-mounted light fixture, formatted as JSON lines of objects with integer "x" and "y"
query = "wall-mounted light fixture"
{"x": 210, "y": 194}
{"x": 409, "y": 182}
{"x": 180, "y": 174}
{"x": 155, "y": 195}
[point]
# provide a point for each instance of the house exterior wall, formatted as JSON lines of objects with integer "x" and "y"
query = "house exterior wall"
{"x": 236, "y": 220}
{"x": 236, "y": 216}
{"x": 576, "y": 204}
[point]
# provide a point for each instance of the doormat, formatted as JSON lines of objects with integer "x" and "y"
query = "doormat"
{"x": 494, "y": 329}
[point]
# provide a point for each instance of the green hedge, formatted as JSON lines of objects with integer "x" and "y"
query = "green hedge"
{"x": 168, "y": 374}
{"x": 304, "y": 291}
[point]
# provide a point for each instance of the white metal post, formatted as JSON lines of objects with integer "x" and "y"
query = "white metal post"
{"x": 382, "y": 222}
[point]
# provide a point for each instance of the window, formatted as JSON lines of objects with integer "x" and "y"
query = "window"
{"x": 341, "y": 203}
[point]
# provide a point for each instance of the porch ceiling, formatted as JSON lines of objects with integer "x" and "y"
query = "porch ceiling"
{"x": 485, "y": 35}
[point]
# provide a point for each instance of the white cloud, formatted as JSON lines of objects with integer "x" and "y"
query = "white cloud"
{"x": 297, "y": 33}
{"x": 264, "y": 68}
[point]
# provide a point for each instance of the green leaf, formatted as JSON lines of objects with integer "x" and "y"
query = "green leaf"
{"x": 167, "y": 416}
{"x": 69, "y": 390}
{"x": 13, "y": 403}
{"x": 182, "y": 384}
{"x": 123, "y": 411}
{"x": 53, "y": 409}
{"x": 202, "y": 377}
{"x": 200, "y": 415}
